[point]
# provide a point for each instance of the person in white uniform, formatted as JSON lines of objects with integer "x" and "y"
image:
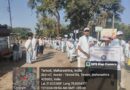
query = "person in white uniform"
{"x": 28, "y": 46}
{"x": 83, "y": 47}
{"x": 127, "y": 50}
{"x": 118, "y": 41}
{"x": 72, "y": 50}
{"x": 68, "y": 44}
{"x": 34, "y": 48}
{"x": 63, "y": 45}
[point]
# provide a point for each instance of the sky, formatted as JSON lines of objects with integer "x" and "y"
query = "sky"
{"x": 23, "y": 16}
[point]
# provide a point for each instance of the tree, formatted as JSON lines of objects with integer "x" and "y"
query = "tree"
{"x": 81, "y": 13}
{"x": 46, "y": 26}
{"x": 125, "y": 28}
{"x": 21, "y": 32}
{"x": 48, "y": 8}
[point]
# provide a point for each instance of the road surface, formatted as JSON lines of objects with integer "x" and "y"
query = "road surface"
{"x": 51, "y": 58}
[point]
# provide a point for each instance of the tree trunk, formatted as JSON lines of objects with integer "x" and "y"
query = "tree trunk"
{"x": 58, "y": 23}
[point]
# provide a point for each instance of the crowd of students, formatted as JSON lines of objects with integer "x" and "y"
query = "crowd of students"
{"x": 79, "y": 48}
{"x": 74, "y": 48}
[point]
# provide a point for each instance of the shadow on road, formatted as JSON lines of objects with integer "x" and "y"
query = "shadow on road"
{"x": 45, "y": 57}
{"x": 8, "y": 65}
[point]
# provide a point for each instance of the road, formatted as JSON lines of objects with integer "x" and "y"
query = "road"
{"x": 51, "y": 58}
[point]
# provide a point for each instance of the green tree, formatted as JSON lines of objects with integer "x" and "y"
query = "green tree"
{"x": 21, "y": 32}
{"x": 125, "y": 28}
{"x": 82, "y": 13}
{"x": 46, "y": 26}
{"x": 48, "y": 8}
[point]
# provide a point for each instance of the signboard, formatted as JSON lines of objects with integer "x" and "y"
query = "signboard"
{"x": 98, "y": 29}
{"x": 105, "y": 54}
{"x": 108, "y": 33}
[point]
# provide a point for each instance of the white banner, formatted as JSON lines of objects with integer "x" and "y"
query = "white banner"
{"x": 105, "y": 54}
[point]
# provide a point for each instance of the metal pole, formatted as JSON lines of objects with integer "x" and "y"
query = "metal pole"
{"x": 10, "y": 15}
{"x": 98, "y": 35}
{"x": 113, "y": 21}
{"x": 75, "y": 36}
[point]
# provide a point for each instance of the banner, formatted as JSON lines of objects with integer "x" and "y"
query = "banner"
{"x": 105, "y": 54}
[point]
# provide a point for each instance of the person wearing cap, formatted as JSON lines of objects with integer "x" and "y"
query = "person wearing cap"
{"x": 119, "y": 42}
{"x": 83, "y": 47}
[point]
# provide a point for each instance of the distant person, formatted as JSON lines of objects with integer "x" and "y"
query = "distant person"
{"x": 44, "y": 44}
{"x": 28, "y": 46}
{"x": 67, "y": 48}
{"x": 71, "y": 50}
{"x": 20, "y": 50}
{"x": 34, "y": 48}
{"x": 57, "y": 44}
{"x": 106, "y": 41}
{"x": 127, "y": 50}
{"x": 41, "y": 46}
{"x": 62, "y": 45}
{"x": 118, "y": 41}
{"x": 15, "y": 52}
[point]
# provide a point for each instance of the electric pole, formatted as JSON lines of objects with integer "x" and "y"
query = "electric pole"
{"x": 10, "y": 16}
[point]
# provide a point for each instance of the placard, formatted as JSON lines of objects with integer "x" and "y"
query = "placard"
{"x": 105, "y": 54}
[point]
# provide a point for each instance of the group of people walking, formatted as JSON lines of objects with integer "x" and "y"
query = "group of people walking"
{"x": 86, "y": 42}
{"x": 79, "y": 48}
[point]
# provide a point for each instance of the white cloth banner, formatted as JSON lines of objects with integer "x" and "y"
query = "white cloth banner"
{"x": 105, "y": 54}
